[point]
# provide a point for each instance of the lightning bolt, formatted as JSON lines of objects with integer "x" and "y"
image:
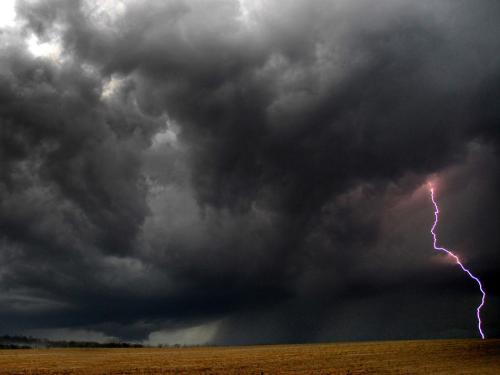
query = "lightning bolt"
{"x": 457, "y": 260}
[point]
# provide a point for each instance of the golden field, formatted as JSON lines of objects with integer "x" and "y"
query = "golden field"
{"x": 392, "y": 357}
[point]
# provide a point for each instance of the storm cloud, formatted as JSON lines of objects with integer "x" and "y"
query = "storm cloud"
{"x": 237, "y": 172}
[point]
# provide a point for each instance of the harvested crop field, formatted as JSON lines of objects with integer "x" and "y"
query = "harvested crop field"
{"x": 394, "y": 357}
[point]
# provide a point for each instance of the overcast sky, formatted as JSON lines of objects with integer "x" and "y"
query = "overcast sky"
{"x": 236, "y": 172}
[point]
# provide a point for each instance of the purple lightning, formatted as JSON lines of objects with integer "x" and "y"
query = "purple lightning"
{"x": 457, "y": 260}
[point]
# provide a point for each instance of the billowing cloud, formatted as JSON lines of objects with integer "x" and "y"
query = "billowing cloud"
{"x": 169, "y": 164}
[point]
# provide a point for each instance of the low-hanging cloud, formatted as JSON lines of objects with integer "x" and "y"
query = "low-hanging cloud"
{"x": 181, "y": 163}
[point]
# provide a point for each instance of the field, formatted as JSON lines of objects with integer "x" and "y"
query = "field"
{"x": 394, "y": 357}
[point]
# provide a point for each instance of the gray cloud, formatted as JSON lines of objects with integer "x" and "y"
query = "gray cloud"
{"x": 178, "y": 166}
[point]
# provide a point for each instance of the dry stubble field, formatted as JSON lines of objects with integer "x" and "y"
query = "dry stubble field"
{"x": 395, "y": 357}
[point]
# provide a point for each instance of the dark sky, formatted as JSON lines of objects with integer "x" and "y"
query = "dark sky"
{"x": 238, "y": 172}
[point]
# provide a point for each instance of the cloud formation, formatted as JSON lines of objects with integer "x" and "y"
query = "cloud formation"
{"x": 262, "y": 167}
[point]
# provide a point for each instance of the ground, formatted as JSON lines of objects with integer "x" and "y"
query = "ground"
{"x": 394, "y": 357}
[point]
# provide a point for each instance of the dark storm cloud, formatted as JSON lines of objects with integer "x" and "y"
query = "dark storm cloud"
{"x": 180, "y": 166}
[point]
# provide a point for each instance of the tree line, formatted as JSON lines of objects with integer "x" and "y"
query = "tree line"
{"x": 29, "y": 342}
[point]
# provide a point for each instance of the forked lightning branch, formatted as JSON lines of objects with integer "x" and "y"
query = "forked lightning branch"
{"x": 457, "y": 261}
